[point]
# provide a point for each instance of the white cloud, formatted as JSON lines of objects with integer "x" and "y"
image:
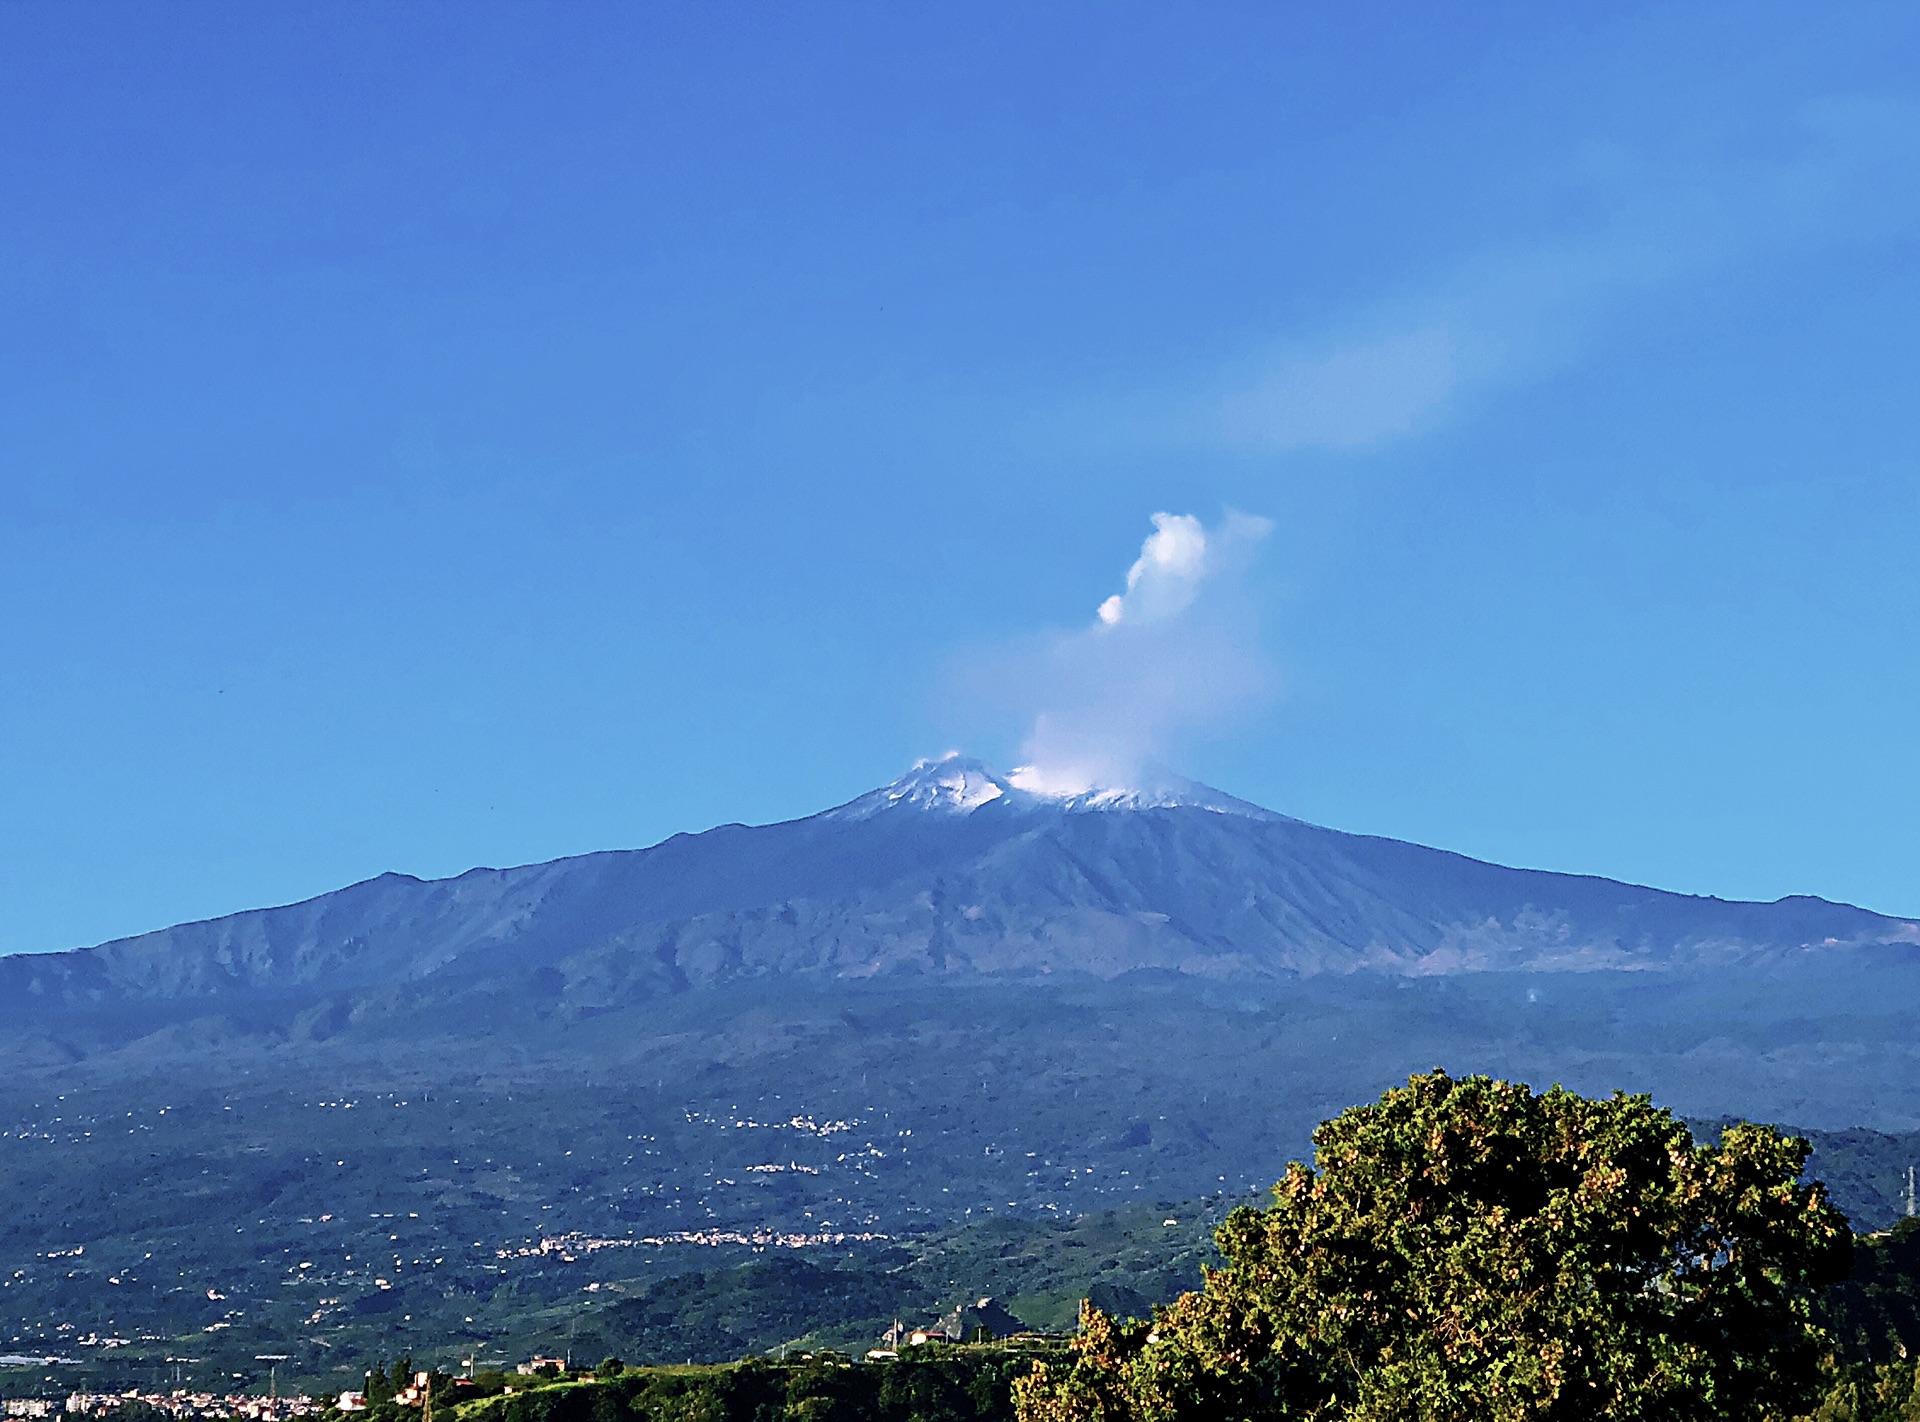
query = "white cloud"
{"x": 1165, "y": 578}
{"x": 1169, "y": 656}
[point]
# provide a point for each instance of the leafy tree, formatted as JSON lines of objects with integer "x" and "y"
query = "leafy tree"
{"x": 1874, "y": 1318}
{"x": 610, "y": 1368}
{"x": 1467, "y": 1249}
{"x": 1874, "y": 1315}
{"x": 1888, "y": 1393}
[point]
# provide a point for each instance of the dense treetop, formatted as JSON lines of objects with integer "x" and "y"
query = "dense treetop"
{"x": 1467, "y": 1249}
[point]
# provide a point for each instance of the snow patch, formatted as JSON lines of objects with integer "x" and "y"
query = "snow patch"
{"x": 956, "y": 784}
{"x": 951, "y": 784}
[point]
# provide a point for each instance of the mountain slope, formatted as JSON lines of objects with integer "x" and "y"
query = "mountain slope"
{"x": 952, "y": 871}
{"x": 429, "y": 1105}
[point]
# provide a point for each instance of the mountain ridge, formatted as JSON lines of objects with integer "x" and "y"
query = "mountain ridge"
{"x": 954, "y": 869}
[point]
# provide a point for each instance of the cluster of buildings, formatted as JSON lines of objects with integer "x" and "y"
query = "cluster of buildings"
{"x": 175, "y": 1404}
{"x": 419, "y": 1392}
{"x": 983, "y": 1322}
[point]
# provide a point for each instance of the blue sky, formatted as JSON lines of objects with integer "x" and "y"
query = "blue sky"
{"x": 438, "y": 435}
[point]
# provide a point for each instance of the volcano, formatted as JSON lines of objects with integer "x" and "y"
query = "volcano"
{"x": 953, "y": 873}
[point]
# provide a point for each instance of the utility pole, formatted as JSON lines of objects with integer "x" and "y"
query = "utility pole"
{"x": 1910, "y": 1201}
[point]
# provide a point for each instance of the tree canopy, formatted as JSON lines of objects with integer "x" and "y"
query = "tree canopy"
{"x": 1468, "y": 1249}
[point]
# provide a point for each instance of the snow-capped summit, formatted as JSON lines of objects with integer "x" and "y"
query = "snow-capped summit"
{"x": 959, "y": 784}
{"x": 1161, "y": 790}
{"x": 951, "y": 784}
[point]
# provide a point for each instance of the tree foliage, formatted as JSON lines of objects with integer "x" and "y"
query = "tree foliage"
{"x": 1888, "y": 1393}
{"x": 1467, "y": 1249}
{"x": 957, "y": 1385}
{"x": 384, "y": 1381}
{"x": 1874, "y": 1315}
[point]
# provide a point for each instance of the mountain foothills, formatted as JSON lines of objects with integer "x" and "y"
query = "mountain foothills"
{"x": 462, "y": 1109}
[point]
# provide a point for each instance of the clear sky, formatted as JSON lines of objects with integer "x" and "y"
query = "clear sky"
{"x": 437, "y": 435}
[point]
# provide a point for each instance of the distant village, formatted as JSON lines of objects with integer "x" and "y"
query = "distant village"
{"x": 173, "y": 1404}
{"x": 984, "y": 1321}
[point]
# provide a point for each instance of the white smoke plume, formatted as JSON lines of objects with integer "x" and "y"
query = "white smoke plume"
{"x": 1169, "y": 655}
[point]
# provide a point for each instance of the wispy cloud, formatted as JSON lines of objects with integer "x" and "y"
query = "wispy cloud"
{"x": 1846, "y": 172}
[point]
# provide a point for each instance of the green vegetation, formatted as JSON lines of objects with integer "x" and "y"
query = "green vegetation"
{"x": 1888, "y": 1393}
{"x": 1873, "y": 1317}
{"x": 216, "y": 1208}
{"x": 1125, "y": 1260}
{"x": 651, "y": 1307}
{"x": 735, "y": 1312}
{"x": 1874, "y": 1314}
{"x": 1844, "y": 1353}
{"x": 1469, "y": 1250}
{"x": 930, "y": 1385}
{"x": 1464, "y": 1250}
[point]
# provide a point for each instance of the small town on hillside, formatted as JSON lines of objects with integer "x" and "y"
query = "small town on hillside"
{"x": 984, "y": 1321}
